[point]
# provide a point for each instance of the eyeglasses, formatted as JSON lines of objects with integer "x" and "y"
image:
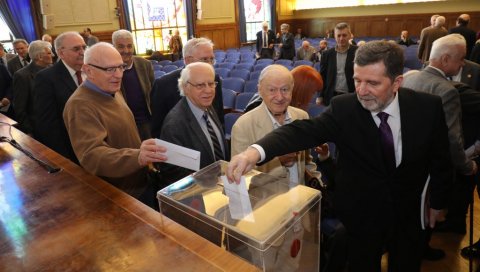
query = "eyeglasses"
{"x": 110, "y": 70}
{"x": 76, "y": 49}
{"x": 206, "y": 60}
{"x": 202, "y": 86}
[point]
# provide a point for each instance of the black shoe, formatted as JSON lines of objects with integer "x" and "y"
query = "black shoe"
{"x": 433, "y": 254}
{"x": 471, "y": 251}
{"x": 448, "y": 226}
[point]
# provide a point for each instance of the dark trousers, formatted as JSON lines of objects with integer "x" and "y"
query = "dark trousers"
{"x": 266, "y": 53}
{"x": 461, "y": 198}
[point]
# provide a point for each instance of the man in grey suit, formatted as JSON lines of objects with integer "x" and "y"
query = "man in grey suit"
{"x": 137, "y": 81}
{"x": 52, "y": 88}
{"x": 23, "y": 79}
{"x": 469, "y": 74}
{"x": 187, "y": 124}
{"x": 306, "y": 51}
{"x": 22, "y": 59}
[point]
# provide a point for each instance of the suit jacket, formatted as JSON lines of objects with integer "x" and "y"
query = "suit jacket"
{"x": 470, "y": 100}
{"x": 475, "y": 56}
{"x": 287, "y": 51}
{"x": 471, "y": 74}
{"x": 407, "y": 42}
{"x": 23, "y": 81}
{"x": 182, "y": 128}
{"x": 253, "y": 126}
{"x": 52, "y": 88}
{"x": 432, "y": 81}
{"x": 14, "y": 65}
{"x": 366, "y": 194}
{"x": 308, "y": 54}
{"x": 146, "y": 77}
{"x": 165, "y": 95}
{"x": 328, "y": 69}
{"x": 469, "y": 35}
{"x": 5, "y": 84}
{"x": 427, "y": 37}
{"x": 271, "y": 39}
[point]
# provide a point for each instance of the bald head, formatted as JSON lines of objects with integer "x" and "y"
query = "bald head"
{"x": 104, "y": 67}
{"x": 305, "y": 44}
{"x": 463, "y": 20}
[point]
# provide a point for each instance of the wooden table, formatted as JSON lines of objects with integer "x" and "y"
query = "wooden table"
{"x": 73, "y": 221}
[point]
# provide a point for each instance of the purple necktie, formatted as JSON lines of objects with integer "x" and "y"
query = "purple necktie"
{"x": 386, "y": 139}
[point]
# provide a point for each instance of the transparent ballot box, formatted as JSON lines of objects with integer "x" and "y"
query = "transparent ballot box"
{"x": 271, "y": 224}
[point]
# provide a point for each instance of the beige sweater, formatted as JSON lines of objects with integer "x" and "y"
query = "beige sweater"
{"x": 105, "y": 138}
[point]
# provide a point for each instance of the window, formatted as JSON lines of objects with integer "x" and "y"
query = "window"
{"x": 256, "y": 12}
{"x": 6, "y": 37}
{"x": 153, "y": 22}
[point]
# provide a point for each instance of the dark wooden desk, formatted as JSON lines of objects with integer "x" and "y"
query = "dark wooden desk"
{"x": 73, "y": 221}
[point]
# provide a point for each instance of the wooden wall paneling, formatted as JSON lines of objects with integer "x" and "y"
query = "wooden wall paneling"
{"x": 414, "y": 26}
{"x": 222, "y": 35}
{"x": 378, "y": 26}
{"x": 359, "y": 27}
{"x": 394, "y": 27}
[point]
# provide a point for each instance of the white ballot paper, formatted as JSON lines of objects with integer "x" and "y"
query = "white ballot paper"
{"x": 238, "y": 200}
{"x": 181, "y": 156}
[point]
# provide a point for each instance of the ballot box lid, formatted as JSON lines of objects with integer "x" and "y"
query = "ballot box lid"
{"x": 258, "y": 216}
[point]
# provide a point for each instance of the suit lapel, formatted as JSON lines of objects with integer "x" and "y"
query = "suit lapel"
{"x": 65, "y": 76}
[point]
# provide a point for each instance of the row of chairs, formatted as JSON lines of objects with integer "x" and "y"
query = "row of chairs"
{"x": 234, "y": 101}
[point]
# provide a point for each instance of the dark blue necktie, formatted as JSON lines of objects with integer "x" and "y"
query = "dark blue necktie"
{"x": 386, "y": 139}
{"x": 216, "y": 144}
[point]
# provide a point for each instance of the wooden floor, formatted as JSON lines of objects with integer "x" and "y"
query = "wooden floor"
{"x": 452, "y": 244}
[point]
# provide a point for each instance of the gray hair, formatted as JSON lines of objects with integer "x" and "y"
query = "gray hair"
{"x": 440, "y": 21}
{"x": 187, "y": 73}
{"x": 89, "y": 53}
{"x": 37, "y": 48}
{"x": 343, "y": 25}
{"x": 389, "y": 53}
{"x": 285, "y": 26}
{"x": 59, "y": 40}
{"x": 121, "y": 34}
{"x": 19, "y": 41}
{"x": 446, "y": 45}
{"x": 192, "y": 45}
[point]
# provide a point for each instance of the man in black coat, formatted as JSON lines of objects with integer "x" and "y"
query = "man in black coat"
{"x": 51, "y": 90}
{"x": 265, "y": 41}
{"x": 462, "y": 29}
{"x": 379, "y": 183}
{"x": 165, "y": 93}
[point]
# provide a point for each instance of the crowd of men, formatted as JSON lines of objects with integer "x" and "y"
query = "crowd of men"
{"x": 99, "y": 106}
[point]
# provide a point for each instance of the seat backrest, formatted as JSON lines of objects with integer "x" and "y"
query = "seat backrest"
{"x": 229, "y": 97}
{"x": 230, "y": 119}
{"x": 233, "y": 83}
{"x": 246, "y": 66}
{"x": 251, "y": 86}
{"x": 285, "y": 62}
{"x": 259, "y": 67}
{"x": 240, "y": 73}
{"x": 169, "y": 68}
{"x": 165, "y": 62}
{"x": 222, "y": 72}
{"x": 262, "y": 61}
{"x": 158, "y": 74}
{"x": 302, "y": 62}
{"x": 227, "y": 65}
{"x": 255, "y": 75}
{"x": 242, "y": 101}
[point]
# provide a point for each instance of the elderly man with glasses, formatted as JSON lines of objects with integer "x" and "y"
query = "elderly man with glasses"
{"x": 102, "y": 128}
{"x": 165, "y": 93}
{"x": 193, "y": 122}
{"x": 51, "y": 90}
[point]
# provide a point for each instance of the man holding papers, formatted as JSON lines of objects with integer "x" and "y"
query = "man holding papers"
{"x": 193, "y": 123}
{"x": 102, "y": 129}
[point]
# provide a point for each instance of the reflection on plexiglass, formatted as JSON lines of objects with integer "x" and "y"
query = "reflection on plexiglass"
{"x": 153, "y": 23}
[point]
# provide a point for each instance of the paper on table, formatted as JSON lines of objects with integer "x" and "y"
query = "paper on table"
{"x": 181, "y": 156}
{"x": 238, "y": 200}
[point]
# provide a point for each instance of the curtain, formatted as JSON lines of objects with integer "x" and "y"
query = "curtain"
{"x": 273, "y": 14}
{"x": 18, "y": 15}
{"x": 126, "y": 14}
{"x": 242, "y": 21}
{"x": 190, "y": 11}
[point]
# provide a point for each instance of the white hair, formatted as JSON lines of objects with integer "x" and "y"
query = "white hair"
{"x": 447, "y": 45}
{"x": 187, "y": 73}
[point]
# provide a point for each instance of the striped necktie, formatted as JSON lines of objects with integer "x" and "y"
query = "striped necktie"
{"x": 216, "y": 144}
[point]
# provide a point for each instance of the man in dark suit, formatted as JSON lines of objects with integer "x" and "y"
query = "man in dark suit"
{"x": 405, "y": 39}
{"x": 287, "y": 43}
{"x": 5, "y": 92}
{"x": 165, "y": 94}
{"x": 22, "y": 59}
{"x": 380, "y": 179}
{"x": 137, "y": 81}
{"x": 186, "y": 123}
{"x": 4, "y": 56}
{"x": 333, "y": 60}
{"x": 462, "y": 29}
{"x": 265, "y": 41}
{"x": 52, "y": 88}
{"x": 23, "y": 79}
